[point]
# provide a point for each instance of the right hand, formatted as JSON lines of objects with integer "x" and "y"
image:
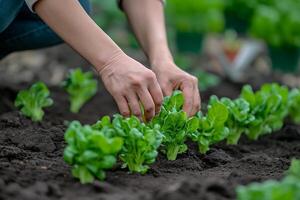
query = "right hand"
{"x": 130, "y": 83}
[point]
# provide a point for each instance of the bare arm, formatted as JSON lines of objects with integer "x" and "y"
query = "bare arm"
{"x": 128, "y": 81}
{"x": 147, "y": 20}
{"x": 73, "y": 25}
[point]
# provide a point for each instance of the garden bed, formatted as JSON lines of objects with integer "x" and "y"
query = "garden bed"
{"x": 32, "y": 167}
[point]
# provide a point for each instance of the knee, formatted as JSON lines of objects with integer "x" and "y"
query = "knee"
{"x": 7, "y": 20}
{"x": 4, "y": 22}
{"x": 9, "y": 11}
{"x": 86, "y": 5}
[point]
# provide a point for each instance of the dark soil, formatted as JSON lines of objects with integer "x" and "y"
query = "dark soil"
{"x": 32, "y": 167}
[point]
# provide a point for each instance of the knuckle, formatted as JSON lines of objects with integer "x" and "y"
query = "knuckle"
{"x": 136, "y": 82}
{"x": 194, "y": 79}
{"x": 150, "y": 76}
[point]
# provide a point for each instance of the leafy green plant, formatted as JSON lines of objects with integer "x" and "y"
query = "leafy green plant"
{"x": 81, "y": 87}
{"x": 294, "y": 105}
{"x": 269, "y": 16}
{"x": 90, "y": 151}
{"x": 209, "y": 15}
{"x": 106, "y": 14}
{"x": 269, "y": 106}
{"x": 239, "y": 117}
{"x": 265, "y": 24}
{"x": 263, "y": 17}
{"x": 212, "y": 127}
{"x": 140, "y": 141}
{"x": 175, "y": 125}
{"x": 287, "y": 189}
{"x": 93, "y": 149}
{"x": 32, "y": 101}
{"x": 241, "y": 9}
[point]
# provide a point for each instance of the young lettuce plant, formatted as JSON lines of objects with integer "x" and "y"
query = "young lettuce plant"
{"x": 287, "y": 189}
{"x": 81, "y": 87}
{"x": 32, "y": 101}
{"x": 212, "y": 127}
{"x": 239, "y": 117}
{"x": 269, "y": 106}
{"x": 294, "y": 105}
{"x": 90, "y": 151}
{"x": 141, "y": 142}
{"x": 175, "y": 125}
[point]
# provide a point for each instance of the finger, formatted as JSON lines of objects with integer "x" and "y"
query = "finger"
{"x": 134, "y": 105}
{"x": 147, "y": 102}
{"x": 157, "y": 96}
{"x": 197, "y": 101}
{"x": 187, "y": 89}
{"x": 167, "y": 89}
{"x": 122, "y": 105}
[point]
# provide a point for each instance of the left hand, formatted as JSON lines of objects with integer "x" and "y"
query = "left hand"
{"x": 170, "y": 77}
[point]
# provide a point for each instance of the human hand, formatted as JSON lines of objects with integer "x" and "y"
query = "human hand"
{"x": 171, "y": 77}
{"x": 130, "y": 83}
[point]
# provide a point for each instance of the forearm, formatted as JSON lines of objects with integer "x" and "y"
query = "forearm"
{"x": 72, "y": 24}
{"x": 147, "y": 20}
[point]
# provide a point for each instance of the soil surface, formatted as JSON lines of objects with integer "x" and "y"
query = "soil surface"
{"x": 32, "y": 167}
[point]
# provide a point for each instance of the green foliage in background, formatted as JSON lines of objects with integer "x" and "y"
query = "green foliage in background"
{"x": 264, "y": 17}
{"x": 107, "y": 14}
{"x": 200, "y": 16}
{"x": 206, "y": 80}
{"x": 268, "y": 18}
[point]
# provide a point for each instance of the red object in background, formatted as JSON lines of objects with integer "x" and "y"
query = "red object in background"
{"x": 230, "y": 54}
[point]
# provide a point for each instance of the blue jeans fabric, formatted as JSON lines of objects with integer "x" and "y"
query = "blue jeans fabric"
{"x": 21, "y": 29}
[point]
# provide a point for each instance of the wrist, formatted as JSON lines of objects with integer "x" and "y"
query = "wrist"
{"x": 105, "y": 60}
{"x": 162, "y": 64}
{"x": 160, "y": 56}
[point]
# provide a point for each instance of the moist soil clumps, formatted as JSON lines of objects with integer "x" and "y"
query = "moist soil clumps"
{"x": 32, "y": 166}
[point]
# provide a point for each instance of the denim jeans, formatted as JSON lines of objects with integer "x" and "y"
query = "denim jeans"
{"x": 21, "y": 29}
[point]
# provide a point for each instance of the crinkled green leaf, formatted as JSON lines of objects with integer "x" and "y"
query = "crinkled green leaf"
{"x": 175, "y": 125}
{"x": 212, "y": 127}
{"x": 81, "y": 87}
{"x": 239, "y": 117}
{"x": 294, "y": 108}
{"x": 32, "y": 101}
{"x": 269, "y": 106}
{"x": 140, "y": 141}
{"x": 90, "y": 151}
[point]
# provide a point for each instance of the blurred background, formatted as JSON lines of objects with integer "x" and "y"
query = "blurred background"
{"x": 239, "y": 41}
